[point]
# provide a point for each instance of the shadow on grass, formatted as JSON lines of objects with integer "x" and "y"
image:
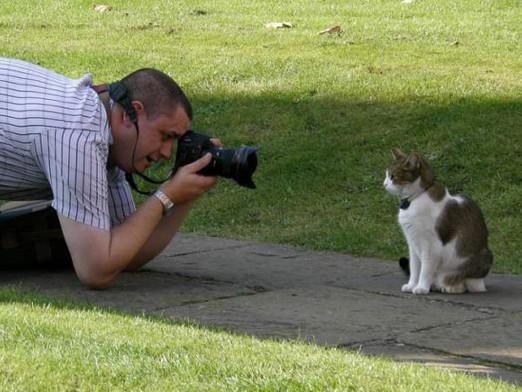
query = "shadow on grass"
{"x": 322, "y": 162}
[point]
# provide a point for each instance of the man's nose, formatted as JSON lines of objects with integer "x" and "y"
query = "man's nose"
{"x": 166, "y": 150}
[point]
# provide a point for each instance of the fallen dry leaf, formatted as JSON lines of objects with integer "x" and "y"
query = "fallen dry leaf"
{"x": 332, "y": 30}
{"x": 279, "y": 25}
{"x": 102, "y": 8}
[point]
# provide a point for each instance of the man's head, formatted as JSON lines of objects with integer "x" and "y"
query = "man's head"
{"x": 163, "y": 115}
{"x": 158, "y": 93}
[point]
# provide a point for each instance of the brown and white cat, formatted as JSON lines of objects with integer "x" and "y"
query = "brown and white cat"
{"x": 447, "y": 236}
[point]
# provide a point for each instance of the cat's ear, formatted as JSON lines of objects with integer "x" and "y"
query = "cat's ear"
{"x": 414, "y": 161}
{"x": 398, "y": 154}
{"x": 427, "y": 174}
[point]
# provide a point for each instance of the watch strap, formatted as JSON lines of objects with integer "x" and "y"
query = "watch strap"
{"x": 168, "y": 205}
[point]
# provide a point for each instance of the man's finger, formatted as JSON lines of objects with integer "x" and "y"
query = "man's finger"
{"x": 200, "y": 163}
{"x": 216, "y": 142}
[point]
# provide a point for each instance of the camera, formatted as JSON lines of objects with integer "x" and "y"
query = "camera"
{"x": 238, "y": 164}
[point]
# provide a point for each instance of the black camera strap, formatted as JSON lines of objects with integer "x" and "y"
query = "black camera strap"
{"x": 119, "y": 94}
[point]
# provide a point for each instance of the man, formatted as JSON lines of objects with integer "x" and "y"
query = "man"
{"x": 61, "y": 140}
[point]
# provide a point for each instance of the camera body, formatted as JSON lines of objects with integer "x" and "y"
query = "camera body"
{"x": 238, "y": 164}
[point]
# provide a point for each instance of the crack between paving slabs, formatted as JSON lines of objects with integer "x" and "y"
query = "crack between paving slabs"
{"x": 452, "y": 324}
{"x": 477, "y": 359}
{"x": 359, "y": 343}
{"x": 207, "y": 250}
{"x": 274, "y": 255}
{"x": 256, "y": 289}
{"x": 391, "y": 341}
{"x": 491, "y": 310}
{"x": 187, "y": 277}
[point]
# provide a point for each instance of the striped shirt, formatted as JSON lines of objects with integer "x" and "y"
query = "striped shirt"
{"x": 54, "y": 144}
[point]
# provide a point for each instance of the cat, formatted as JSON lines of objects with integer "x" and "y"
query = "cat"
{"x": 446, "y": 234}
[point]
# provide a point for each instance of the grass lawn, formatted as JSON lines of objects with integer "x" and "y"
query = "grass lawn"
{"x": 47, "y": 345}
{"x": 440, "y": 77}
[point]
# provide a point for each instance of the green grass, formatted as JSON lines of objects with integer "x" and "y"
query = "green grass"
{"x": 49, "y": 345}
{"x": 443, "y": 78}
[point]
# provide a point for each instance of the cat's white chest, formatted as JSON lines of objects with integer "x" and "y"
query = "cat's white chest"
{"x": 420, "y": 217}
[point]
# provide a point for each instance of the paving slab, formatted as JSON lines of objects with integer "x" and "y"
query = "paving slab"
{"x": 504, "y": 291}
{"x": 269, "y": 265}
{"x": 497, "y": 339}
{"x": 145, "y": 291}
{"x": 322, "y": 314}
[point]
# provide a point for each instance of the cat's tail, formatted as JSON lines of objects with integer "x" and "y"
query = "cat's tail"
{"x": 404, "y": 263}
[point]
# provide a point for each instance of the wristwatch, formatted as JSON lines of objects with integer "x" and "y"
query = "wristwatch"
{"x": 168, "y": 205}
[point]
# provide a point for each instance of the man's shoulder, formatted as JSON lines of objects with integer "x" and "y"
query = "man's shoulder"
{"x": 46, "y": 100}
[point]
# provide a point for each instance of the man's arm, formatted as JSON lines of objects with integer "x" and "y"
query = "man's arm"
{"x": 99, "y": 255}
{"x": 161, "y": 236}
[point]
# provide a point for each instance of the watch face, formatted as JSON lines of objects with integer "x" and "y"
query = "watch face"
{"x": 168, "y": 209}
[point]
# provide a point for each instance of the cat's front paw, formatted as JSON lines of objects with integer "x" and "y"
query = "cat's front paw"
{"x": 407, "y": 288}
{"x": 421, "y": 290}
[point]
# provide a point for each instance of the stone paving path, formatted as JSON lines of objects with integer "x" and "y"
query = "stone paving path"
{"x": 329, "y": 298}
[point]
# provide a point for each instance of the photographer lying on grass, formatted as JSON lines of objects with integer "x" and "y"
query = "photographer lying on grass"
{"x": 71, "y": 142}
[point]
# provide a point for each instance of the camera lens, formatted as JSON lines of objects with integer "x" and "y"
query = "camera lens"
{"x": 238, "y": 164}
{"x": 245, "y": 165}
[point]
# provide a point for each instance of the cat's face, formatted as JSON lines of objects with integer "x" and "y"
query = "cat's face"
{"x": 407, "y": 175}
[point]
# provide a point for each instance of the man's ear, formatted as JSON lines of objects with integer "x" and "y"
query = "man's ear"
{"x": 138, "y": 106}
{"x": 130, "y": 118}
{"x": 137, "y": 110}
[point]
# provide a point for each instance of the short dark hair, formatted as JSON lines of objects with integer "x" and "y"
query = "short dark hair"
{"x": 157, "y": 91}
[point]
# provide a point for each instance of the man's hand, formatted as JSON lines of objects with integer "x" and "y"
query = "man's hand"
{"x": 187, "y": 185}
